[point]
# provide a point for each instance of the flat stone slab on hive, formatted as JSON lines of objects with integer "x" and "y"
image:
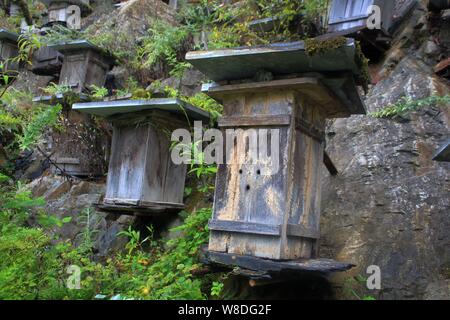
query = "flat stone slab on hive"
{"x": 278, "y": 58}
{"x": 111, "y": 108}
{"x": 156, "y": 208}
{"x": 338, "y": 69}
{"x": 65, "y": 47}
{"x": 58, "y": 98}
{"x": 8, "y": 35}
{"x": 260, "y": 265}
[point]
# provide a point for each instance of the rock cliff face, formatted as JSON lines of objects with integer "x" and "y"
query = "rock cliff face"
{"x": 390, "y": 204}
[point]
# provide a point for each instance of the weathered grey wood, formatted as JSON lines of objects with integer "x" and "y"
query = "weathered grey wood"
{"x": 277, "y": 58}
{"x": 140, "y": 167}
{"x": 296, "y": 230}
{"x": 80, "y": 148}
{"x": 247, "y": 203}
{"x": 254, "y": 121}
{"x": 349, "y": 18}
{"x": 84, "y": 65}
{"x": 329, "y": 164}
{"x": 9, "y": 50}
{"x": 321, "y": 266}
{"x": 245, "y": 227}
{"x": 309, "y": 129}
{"x": 57, "y": 9}
{"x": 245, "y": 196}
{"x": 293, "y": 108}
{"x": 142, "y": 176}
{"x": 47, "y": 61}
{"x": 348, "y": 14}
{"x": 329, "y": 92}
{"x": 125, "y": 107}
{"x": 144, "y": 208}
{"x": 128, "y": 151}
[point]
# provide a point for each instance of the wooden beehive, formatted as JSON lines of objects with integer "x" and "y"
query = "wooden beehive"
{"x": 84, "y": 65}
{"x": 58, "y": 9}
{"x": 14, "y": 10}
{"x": 351, "y": 14}
{"x": 8, "y": 50}
{"x": 259, "y": 212}
{"x": 141, "y": 175}
{"x": 47, "y": 62}
{"x": 81, "y": 147}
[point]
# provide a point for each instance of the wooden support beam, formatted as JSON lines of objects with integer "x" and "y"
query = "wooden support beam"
{"x": 270, "y": 267}
{"x": 329, "y": 164}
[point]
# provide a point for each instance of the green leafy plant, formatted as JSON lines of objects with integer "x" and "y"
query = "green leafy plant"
{"x": 59, "y": 34}
{"x": 27, "y": 44}
{"x": 162, "y": 45}
{"x": 54, "y": 89}
{"x": 204, "y": 102}
{"x": 135, "y": 241}
{"x": 408, "y": 104}
{"x": 87, "y": 220}
{"x": 216, "y": 288}
{"x": 48, "y": 221}
{"x": 98, "y": 93}
{"x": 170, "y": 277}
{"x": 42, "y": 119}
{"x": 354, "y": 285}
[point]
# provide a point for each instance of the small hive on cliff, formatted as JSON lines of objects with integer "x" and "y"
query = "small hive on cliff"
{"x": 84, "y": 66}
{"x": 59, "y": 11}
{"x": 8, "y": 50}
{"x": 358, "y": 19}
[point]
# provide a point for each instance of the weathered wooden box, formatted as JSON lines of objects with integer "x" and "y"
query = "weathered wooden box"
{"x": 351, "y": 14}
{"x": 14, "y": 10}
{"x": 81, "y": 148}
{"x": 141, "y": 175}
{"x": 270, "y": 208}
{"x": 84, "y": 65}
{"x": 58, "y": 9}
{"x": 47, "y": 62}
{"x": 8, "y": 50}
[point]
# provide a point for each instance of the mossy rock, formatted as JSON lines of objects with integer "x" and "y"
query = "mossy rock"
{"x": 319, "y": 47}
{"x": 316, "y": 47}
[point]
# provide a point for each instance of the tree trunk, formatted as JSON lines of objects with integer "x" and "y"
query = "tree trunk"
{"x": 25, "y": 11}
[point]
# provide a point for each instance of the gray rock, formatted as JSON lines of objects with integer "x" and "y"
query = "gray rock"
{"x": 389, "y": 206}
{"x": 431, "y": 48}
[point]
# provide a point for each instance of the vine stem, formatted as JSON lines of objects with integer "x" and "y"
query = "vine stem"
{"x": 69, "y": 177}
